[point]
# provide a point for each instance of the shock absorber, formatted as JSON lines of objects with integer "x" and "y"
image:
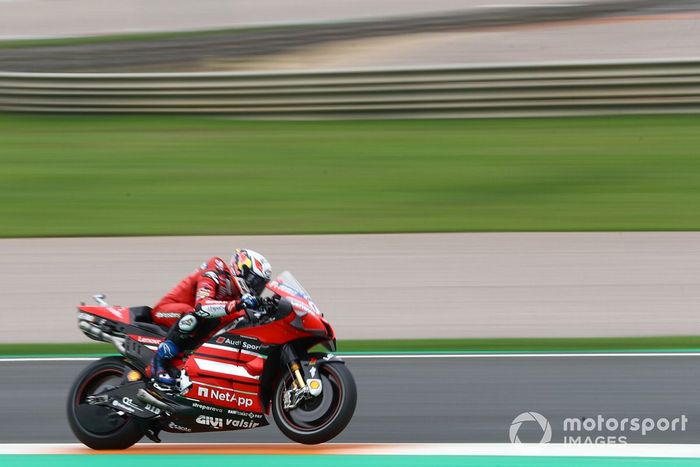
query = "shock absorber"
{"x": 296, "y": 371}
{"x": 292, "y": 361}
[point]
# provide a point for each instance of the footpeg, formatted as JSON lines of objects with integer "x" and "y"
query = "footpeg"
{"x": 152, "y": 435}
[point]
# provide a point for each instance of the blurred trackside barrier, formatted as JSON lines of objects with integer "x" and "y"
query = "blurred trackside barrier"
{"x": 508, "y": 90}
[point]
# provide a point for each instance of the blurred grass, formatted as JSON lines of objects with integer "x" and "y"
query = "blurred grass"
{"x": 153, "y": 175}
{"x": 424, "y": 345}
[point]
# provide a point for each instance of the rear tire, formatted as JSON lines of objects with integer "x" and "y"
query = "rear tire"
{"x": 122, "y": 431}
{"x": 319, "y": 419}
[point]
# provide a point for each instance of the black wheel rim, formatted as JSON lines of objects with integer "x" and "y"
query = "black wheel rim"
{"x": 317, "y": 413}
{"x": 110, "y": 421}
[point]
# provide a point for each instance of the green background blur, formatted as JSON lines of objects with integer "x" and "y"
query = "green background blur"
{"x": 71, "y": 176}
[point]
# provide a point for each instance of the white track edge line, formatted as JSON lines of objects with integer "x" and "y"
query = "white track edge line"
{"x": 409, "y": 356}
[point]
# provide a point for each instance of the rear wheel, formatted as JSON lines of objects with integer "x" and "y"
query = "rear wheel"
{"x": 322, "y": 418}
{"x": 95, "y": 426}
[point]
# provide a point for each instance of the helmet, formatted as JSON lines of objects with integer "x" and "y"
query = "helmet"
{"x": 253, "y": 268}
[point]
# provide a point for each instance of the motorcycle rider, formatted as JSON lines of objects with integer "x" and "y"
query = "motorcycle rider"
{"x": 214, "y": 291}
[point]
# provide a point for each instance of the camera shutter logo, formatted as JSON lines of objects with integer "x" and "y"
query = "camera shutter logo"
{"x": 530, "y": 417}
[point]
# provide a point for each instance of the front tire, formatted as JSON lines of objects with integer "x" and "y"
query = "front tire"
{"x": 322, "y": 418}
{"x": 100, "y": 427}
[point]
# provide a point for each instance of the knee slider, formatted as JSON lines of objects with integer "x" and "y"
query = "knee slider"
{"x": 187, "y": 323}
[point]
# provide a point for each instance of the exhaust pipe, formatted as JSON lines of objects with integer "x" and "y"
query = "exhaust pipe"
{"x": 173, "y": 407}
{"x": 93, "y": 331}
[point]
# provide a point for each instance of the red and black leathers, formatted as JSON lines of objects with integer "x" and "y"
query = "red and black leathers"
{"x": 211, "y": 289}
{"x": 197, "y": 307}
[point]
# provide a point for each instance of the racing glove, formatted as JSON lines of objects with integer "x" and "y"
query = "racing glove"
{"x": 249, "y": 301}
{"x": 246, "y": 301}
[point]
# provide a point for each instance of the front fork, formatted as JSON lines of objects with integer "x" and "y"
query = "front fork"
{"x": 302, "y": 388}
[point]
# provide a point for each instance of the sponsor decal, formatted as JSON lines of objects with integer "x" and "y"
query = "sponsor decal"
{"x": 148, "y": 340}
{"x": 208, "y": 310}
{"x": 303, "y": 306}
{"x": 121, "y": 406}
{"x": 251, "y": 347}
{"x": 203, "y": 293}
{"x": 239, "y": 343}
{"x": 152, "y": 409}
{"x": 224, "y": 395}
{"x": 219, "y": 264}
{"x": 291, "y": 291}
{"x": 175, "y": 426}
{"x": 130, "y": 403}
{"x": 254, "y": 415}
{"x": 127, "y": 405}
{"x": 218, "y": 423}
{"x": 212, "y": 275}
{"x": 166, "y": 315}
{"x": 115, "y": 312}
{"x": 207, "y": 420}
{"x": 241, "y": 423}
{"x": 197, "y": 405}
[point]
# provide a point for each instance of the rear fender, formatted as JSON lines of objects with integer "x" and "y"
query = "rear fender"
{"x": 119, "y": 314}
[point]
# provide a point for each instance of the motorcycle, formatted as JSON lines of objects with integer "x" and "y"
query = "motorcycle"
{"x": 250, "y": 367}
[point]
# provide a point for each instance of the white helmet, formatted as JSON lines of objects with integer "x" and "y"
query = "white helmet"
{"x": 253, "y": 268}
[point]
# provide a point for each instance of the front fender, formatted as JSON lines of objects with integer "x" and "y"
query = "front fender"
{"x": 316, "y": 359}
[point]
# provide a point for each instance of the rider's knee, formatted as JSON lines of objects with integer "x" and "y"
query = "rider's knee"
{"x": 187, "y": 323}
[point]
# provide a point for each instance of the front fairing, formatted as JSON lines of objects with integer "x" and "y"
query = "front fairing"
{"x": 308, "y": 317}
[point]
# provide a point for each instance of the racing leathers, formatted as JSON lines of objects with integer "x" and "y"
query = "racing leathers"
{"x": 194, "y": 309}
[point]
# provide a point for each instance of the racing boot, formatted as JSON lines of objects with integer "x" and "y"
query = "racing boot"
{"x": 161, "y": 370}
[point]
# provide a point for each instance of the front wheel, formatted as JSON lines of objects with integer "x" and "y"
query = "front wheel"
{"x": 96, "y": 426}
{"x": 320, "y": 418}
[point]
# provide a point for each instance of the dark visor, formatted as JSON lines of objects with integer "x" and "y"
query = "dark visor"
{"x": 256, "y": 284}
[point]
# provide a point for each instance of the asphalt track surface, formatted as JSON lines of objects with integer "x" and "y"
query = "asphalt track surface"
{"x": 435, "y": 399}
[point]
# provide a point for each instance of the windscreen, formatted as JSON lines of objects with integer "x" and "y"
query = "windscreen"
{"x": 292, "y": 285}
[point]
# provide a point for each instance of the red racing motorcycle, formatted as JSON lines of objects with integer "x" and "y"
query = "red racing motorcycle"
{"x": 231, "y": 382}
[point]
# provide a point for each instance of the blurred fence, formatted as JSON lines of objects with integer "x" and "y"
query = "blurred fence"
{"x": 550, "y": 89}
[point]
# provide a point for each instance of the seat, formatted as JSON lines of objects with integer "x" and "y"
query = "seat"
{"x": 141, "y": 318}
{"x": 141, "y": 314}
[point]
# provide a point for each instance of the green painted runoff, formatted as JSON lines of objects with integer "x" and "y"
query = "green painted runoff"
{"x": 594, "y": 344}
{"x": 107, "y": 460}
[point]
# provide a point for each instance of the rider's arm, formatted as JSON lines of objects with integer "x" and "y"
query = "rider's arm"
{"x": 206, "y": 305}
